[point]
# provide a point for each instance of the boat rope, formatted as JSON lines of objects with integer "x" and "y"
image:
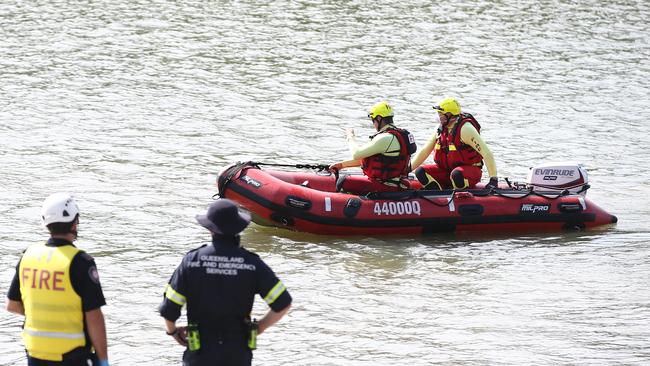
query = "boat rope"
{"x": 297, "y": 166}
{"x": 239, "y": 166}
{"x": 450, "y": 199}
{"x": 479, "y": 193}
{"x": 319, "y": 167}
{"x": 530, "y": 192}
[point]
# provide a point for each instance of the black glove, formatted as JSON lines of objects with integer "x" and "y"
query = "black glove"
{"x": 494, "y": 183}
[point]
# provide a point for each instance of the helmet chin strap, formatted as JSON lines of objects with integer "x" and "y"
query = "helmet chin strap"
{"x": 73, "y": 229}
{"x": 448, "y": 120}
{"x": 379, "y": 123}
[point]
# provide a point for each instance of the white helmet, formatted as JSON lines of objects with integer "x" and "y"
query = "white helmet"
{"x": 59, "y": 207}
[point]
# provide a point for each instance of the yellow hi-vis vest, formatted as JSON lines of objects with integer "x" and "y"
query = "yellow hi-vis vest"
{"x": 54, "y": 319}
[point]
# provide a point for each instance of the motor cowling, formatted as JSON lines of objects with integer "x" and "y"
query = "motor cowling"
{"x": 559, "y": 177}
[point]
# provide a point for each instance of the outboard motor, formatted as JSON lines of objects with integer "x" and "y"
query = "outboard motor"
{"x": 559, "y": 177}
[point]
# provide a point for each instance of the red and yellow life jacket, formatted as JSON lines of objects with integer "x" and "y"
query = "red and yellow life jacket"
{"x": 450, "y": 152}
{"x": 383, "y": 167}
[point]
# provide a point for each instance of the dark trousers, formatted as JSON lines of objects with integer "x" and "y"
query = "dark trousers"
{"x": 225, "y": 353}
{"x": 78, "y": 357}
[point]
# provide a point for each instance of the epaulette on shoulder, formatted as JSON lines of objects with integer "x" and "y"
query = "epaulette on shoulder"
{"x": 250, "y": 252}
{"x": 195, "y": 249}
{"x": 85, "y": 255}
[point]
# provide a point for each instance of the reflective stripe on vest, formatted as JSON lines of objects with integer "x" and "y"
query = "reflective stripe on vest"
{"x": 451, "y": 147}
{"x": 36, "y": 333}
{"x": 54, "y": 319}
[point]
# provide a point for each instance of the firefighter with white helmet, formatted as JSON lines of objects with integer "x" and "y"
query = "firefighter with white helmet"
{"x": 56, "y": 287}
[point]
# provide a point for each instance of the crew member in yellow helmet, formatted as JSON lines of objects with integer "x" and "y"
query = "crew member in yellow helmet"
{"x": 385, "y": 160}
{"x": 56, "y": 287}
{"x": 458, "y": 152}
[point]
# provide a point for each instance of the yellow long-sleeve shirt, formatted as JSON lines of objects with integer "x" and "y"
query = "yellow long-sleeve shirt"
{"x": 383, "y": 143}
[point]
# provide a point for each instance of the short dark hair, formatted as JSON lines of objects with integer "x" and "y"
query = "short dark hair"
{"x": 388, "y": 119}
{"x": 62, "y": 227}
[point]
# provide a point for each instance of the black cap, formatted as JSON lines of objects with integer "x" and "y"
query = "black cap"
{"x": 223, "y": 217}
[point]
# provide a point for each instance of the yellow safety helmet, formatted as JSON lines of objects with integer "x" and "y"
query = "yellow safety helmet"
{"x": 448, "y": 105}
{"x": 380, "y": 109}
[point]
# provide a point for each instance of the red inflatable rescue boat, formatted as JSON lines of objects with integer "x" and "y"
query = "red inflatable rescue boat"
{"x": 552, "y": 199}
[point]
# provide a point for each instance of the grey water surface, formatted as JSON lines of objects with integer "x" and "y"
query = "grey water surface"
{"x": 135, "y": 106}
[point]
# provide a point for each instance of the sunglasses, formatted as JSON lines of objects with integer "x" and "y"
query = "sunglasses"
{"x": 371, "y": 117}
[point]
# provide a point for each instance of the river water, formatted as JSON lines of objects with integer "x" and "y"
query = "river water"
{"x": 135, "y": 106}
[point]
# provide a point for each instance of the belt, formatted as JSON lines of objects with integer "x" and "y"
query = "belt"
{"x": 222, "y": 337}
{"x": 222, "y": 334}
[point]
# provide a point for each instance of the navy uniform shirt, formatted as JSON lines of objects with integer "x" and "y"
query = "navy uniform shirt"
{"x": 218, "y": 283}
{"x": 84, "y": 278}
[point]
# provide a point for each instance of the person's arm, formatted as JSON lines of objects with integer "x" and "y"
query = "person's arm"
{"x": 471, "y": 137}
{"x": 14, "y": 298}
{"x": 345, "y": 164}
{"x": 422, "y": 155}
{"x": 352, "y": 145}
{"x": 271, "y": 318}
{"x": 85, "y": 282}
{"x": 274, "y": 293}
{"x": 15, "y": 307}
{"x": 173, "y": 301}
{"x": 179, "y": 333}
{"x": 380, "y": 144}
{"x": 352, "y": 141}
{"x": 97, "y": 332}
{"x": 170, "y": 325}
